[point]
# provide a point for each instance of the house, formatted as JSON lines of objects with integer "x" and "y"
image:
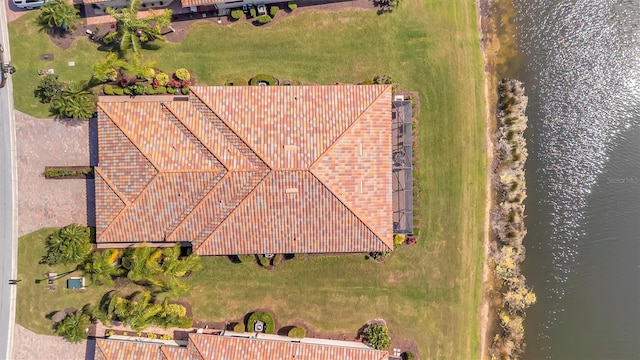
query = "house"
{"x": 236, "y": 347}
{"x": 248, "y": 170}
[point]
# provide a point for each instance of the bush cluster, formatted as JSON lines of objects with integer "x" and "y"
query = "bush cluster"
{"x": 292, "y": 6}
{"x": 236, "y": 14}
{"x": 262, "y": 78}
{"x": 297, "y": 332}
{"x": 270, "y": 324}
{"x": 264, "y": 19}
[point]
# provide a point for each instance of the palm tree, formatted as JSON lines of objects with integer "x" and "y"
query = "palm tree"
{"x": 73, "y": 327}
{"x": 107, "y": 69}
{"x": 174, "y": 268}
{"x": 71, "y": 244}
{"x": 131, "y": 31}
{"x": 58, "y": 14}
{"x": 143, "y": 264}
{"x": 74, "y": 101}
{"x": 102, "y": 269}
{"x": 172, "y": 315}
{"x": 136, "y": 314}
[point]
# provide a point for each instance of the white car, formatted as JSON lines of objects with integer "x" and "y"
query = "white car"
{"x": 28, "y": 4}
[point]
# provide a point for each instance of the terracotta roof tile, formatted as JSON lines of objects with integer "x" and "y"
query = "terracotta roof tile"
{"x": 358, "y": 165}
{"x": 236, "y": 348}
{"x": 161, "y": 207}
{"x": 286, "y": 214}
{"x": 188, "y": 3}
{"x": 241, "y": 134}
{"x": 108, "y": 200}
{"x": 290, "y": 126}
{"x": 121, "y": 161}
{"x": 126, "y": 350}
{"x": 216, "y": 206}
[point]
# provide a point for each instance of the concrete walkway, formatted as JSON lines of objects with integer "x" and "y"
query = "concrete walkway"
{"x": 44, "y": 202}
{"x": 28, "y": 345}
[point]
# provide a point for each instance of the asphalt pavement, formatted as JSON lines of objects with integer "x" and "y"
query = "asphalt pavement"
{"x": 8, "y": 209}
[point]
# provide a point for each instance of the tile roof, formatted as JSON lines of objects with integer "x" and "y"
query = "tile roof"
{"x": 188, "y": 3}
{"x": 215, "y": 347}
{"x": 232, "y": 169}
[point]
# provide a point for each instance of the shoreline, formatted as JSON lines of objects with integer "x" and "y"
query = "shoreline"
{"x": 489, "y": 44}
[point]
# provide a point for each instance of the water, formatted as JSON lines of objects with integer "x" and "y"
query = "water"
{"x": 580, "y": 61}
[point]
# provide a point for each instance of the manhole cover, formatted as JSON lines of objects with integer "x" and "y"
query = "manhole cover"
{"x": 46, "y": 57}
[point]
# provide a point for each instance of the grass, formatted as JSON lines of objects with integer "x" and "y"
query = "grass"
{"x": 430, "y": 292}
{"x": 34, "y": 301}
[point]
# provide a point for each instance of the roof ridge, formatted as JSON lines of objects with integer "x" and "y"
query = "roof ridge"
{"x": 174, "y": 113}
{"x": 348, "y": 127}
{"x": 195, "y": 345}
{"x": 248, "y": 196}
{"x": 129, "y": 137}
{"x": 347, "y": 207}
{"x": 234, "y": 131}
{"x": 115, "y": 191}
{"x": 144, "y": 191}
{"x": 190, "y": 214}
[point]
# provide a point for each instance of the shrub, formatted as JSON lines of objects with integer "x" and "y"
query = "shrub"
{"x": 48, "y": 88}
{"x": 264, "y": 19}
{"x": 108, "y": 90}
{"x": 124, "y": 333}
{"x": 252, "y": 12}
{"x": 171, "y": 90}
{"x": 127, "y": 91}
{"x": 273, "y": 10}
{"x": 118, "y": 91}
{"x": 292, "y": 6}
{"x": 277, "y": 259}
{"x": 165, "y": 337}
{"x": 270, "y": 325}
{"x": 377, "y": 336}
{"x": 148, "y": 73}
{"x": 182, "y": 74}
{"x": 185, "y": 90}
{"x": 239, "y": 327}
{"x": 161, "y": 90}
{"x": 398, "y": 239}
{"x": 236, "y": 14}
{"x": 151, "y": 336}
{"x": 73, "y": 326}
{"x": 262, "y": 78}
{"x": 149, "y": 90}
{"x": 69, "y": 245}
{"x": 174, "y": 83}
{"x": 297, "y": 332}
{"x": 110, "y": 333}
{"x": 407, "y": 355}
{"x": 162, "y": 79}
{"x": 139, "y": 89}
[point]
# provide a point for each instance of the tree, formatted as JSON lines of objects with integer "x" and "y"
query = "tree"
{"x": 58, "y": 14}
{"x": 102, "y": 267}
{"x": 71, "y": 244}
{"x": 74, "y": 101}
{"x": 73, "y": 327}
{"x": 136, "y": 314}
{"x": 377, "y": 336}
{"x": 131, "y": 31}
{"x": 173, "y": 268}
{"x": 143, "y": 264}
{"x": 49, "y": 87}
{"x": 107, "y": 69}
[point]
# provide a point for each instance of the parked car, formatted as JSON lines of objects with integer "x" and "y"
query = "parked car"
{"x": 29, "y": 4}
{"x": 4, "y": 68}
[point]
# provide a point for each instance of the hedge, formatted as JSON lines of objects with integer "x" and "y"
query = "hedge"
{"x": 118, "y": 91}
{"x": 264, "y": 19}
{"x": 239, "y": 328}
{"x": 56, "y": 173}
{"x": 292, "y": 6}
{"x": 270, "y": 324}
{"x": 262, "y": 77}
{"x": 297, "y": 332}
{"x": 273, "y": 11}
{"x": 236, "y": 14}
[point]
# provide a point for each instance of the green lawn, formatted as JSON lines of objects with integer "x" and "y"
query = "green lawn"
{"x": 429, "y": 292}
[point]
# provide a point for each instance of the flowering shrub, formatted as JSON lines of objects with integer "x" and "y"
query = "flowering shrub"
{"x": 161, "y": 79}
{"x": 182, "y": 74}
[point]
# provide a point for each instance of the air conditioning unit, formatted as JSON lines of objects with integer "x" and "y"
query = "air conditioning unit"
{"x": 398, "y": 98}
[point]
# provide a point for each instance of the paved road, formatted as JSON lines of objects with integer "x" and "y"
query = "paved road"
{"x": 8, "y": 216}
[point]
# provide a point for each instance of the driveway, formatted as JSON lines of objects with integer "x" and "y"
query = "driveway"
{"x": 28, "y": 345}
{"x": 55, "y": 203}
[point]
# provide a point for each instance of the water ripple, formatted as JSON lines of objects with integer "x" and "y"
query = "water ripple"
{"x": 585, "y": 55}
